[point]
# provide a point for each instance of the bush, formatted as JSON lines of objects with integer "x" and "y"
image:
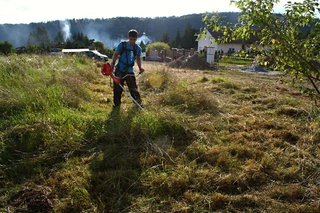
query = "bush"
{"x": 159, "y": 46}
{"x": 6, "y": 48}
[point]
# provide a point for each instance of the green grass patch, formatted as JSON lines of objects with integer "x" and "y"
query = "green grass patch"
{"x": 238, "y": 61}
{"x": 207, "y": 142}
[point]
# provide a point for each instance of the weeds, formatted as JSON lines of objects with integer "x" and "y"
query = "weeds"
{"x": 189, "y": 99}
{"x": 208, "y": 142}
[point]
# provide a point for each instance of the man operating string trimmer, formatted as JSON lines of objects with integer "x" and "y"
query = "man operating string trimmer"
{"x": 127, "y": 51}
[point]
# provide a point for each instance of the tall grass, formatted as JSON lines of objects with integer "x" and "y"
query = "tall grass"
{"x": 208, "y": 141}
{"x": 40, "y": 102}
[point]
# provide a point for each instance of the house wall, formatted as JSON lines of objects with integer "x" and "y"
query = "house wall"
{"x": 209, "y": 41}
{"x": 205, "y": 42}
{"x": 226, "y": 47}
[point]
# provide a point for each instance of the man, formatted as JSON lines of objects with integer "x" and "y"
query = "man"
{"x": 127, "y": 51}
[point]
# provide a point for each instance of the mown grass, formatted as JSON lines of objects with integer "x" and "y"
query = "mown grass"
{"x": 209, "y": 141}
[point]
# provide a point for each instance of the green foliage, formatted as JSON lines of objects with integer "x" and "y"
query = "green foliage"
{"x": 6, "y": 48}
{"x": 159, "y": 46}
{"x": 166, "y": 37}
{"x": 33, "y": 49}
{"x": 177, "y": 40}
{"x": 236, "y": 60}
{"x": 197, "y": 148}
{"x": 143, "y": 46}
{"x": 59, "y": 38}
{"x": 35, "y": 89}
{"x": 281, "y": 43}
{"x": 78, "y": 40}
{"x": 115, "y": 30}
{"x": 98, "y": 45}
{"x": 225, "y": 83}
{"x": 188, "y": 39}
{"x": 40, "y": 37}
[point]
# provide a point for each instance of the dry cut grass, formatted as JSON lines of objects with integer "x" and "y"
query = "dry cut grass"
{"x": 209, "y": 141}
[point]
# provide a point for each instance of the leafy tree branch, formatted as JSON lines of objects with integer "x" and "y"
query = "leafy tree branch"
{"x": 282, "y": 42}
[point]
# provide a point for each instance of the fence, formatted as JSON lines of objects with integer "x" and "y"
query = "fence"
{"x": 168, "y": 55}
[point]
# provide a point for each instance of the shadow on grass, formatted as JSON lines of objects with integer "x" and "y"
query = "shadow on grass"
{"x": 117, "y": 169}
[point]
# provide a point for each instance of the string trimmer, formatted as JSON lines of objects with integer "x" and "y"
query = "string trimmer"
{"x": 106, "y": 69}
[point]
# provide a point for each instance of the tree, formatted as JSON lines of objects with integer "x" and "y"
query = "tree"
{"x": 279, "y": 38}
{"x": 177, "y": 40}
{"x": 59, "y": 39}
{"x": 34, "y": 49}
{"x": 7, "y": 48}
{"x": 166, "y": 37}
{"x": 39, "y": 38}
{"x": 80, "y": 40}
{"x": 98, "y": 45}
{"x": 189, "y": 37}
{"x": 143, "y": 46}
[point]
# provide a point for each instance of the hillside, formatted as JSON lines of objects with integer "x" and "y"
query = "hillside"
{"x": 110, "y": 31}
{"x": 209, "y": 141}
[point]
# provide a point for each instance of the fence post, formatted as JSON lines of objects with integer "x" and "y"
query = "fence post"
{"x": 174, "y": 57}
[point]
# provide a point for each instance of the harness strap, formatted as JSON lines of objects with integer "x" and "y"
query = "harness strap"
{"x": 124, "y": 49}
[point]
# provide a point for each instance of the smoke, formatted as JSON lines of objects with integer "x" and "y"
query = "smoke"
{"x": 99, "y": 31}
{"x": 144, "y": 38}
{"x": 97, "y": 35}
{"x": 65, "y": 27}
{"x": 16, "y": 34}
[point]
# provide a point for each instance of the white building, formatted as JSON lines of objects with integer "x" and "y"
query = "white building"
{"x": 210, "y": 40}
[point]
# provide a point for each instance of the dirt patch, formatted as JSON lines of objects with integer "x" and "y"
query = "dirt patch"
{"x": 194, "y": 62}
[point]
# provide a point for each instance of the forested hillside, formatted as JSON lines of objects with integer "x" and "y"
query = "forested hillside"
{"x": 109, "y": 31}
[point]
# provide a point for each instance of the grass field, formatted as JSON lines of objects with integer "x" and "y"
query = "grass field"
{"x": 209, "y": 141}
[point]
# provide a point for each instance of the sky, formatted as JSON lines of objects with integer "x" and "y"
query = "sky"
{"x": 27, "y": 11}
